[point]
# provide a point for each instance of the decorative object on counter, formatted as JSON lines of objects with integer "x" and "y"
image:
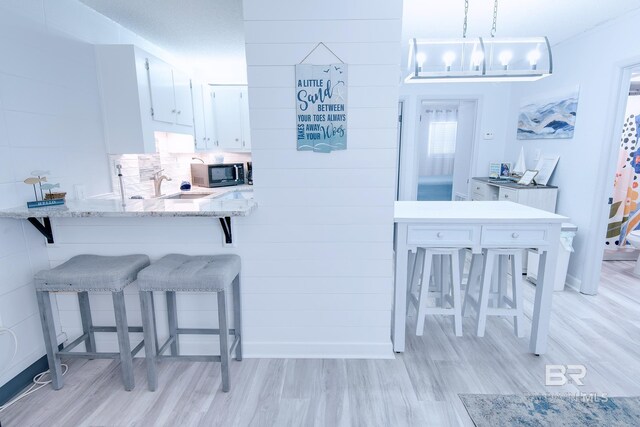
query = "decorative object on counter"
{"x": 185, "y": 186}
{"x": 49, "y": 199}
{"x": 545, "y": 167}
{"x": 528, "y": 177}
{"x": 41, "y": 174}
{"x": 197, "y": 158}
{"x": 494, "y": 170}
{"x": 321, "y": 105}
{"x": 520, "y": 167}
{"x": 549, "y": 118}
{"x": 33, "y": 181}
{"x": 51, "y": 196}
{"x": 250, "y": 173}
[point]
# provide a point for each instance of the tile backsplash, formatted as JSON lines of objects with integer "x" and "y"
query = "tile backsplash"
{"x": 138, "y": 169}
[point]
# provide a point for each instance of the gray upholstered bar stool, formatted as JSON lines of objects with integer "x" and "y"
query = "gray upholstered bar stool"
{"x": 83, "y": 274}
{"x": 182, "y": 273}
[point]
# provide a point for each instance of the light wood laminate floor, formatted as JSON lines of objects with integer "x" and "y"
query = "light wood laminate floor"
{"x": 419, "y": 387}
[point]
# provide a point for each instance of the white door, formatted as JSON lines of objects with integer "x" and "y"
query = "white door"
{"x": 244, "y": 112}
{"x": 161, "y": 89}
{"x": 182, "y": 90}
{"x": 464, "y": 150}
{"x": 227, "y": 113}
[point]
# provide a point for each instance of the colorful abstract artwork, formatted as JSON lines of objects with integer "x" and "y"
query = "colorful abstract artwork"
{"x": 551, "y": 118}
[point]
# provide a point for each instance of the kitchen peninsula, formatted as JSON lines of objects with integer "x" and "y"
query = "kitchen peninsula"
{"x": 178, "y": 205}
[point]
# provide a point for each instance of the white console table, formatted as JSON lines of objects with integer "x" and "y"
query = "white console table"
{"x": 477, "y": 225}
{"x": 537, "y": 196}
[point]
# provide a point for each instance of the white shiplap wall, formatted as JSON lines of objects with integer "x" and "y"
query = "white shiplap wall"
{"x": 325, "y": 221}
{"x": 50, "y": 118}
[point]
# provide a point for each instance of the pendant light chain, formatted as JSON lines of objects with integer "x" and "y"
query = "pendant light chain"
{"x": 466, "y": 14}
{"x": 495, "y": 18}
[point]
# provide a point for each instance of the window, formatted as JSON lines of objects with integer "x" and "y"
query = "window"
{"x": 442, "y": 139}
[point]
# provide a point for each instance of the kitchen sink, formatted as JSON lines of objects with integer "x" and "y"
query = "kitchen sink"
{"x": 187, "y": 196}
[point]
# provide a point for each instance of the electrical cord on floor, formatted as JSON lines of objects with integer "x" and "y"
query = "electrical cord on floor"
{"x": 38, "y": 383}
{"x": 15, "y": 346}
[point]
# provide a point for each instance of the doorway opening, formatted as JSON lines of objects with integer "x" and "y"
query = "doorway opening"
{"x": 444, "y": 148}
{"x": 622, "y": 240}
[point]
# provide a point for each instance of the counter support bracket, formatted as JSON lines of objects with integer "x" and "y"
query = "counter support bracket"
{"x": 225, "y": 223}
{"x": 43, "y": 227}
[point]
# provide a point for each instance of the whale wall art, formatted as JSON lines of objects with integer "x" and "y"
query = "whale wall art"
{"x": 552, "y": 118}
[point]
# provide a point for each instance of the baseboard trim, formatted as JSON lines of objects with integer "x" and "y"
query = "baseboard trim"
{"x": 573, "y": 282}
{"x": 270, "y": 350}
{"x": 18, "y": 383}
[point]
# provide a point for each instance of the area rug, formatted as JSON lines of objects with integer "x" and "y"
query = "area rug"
{"x": 552, "y": 410}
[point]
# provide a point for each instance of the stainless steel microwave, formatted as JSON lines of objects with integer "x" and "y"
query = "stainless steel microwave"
{"x": 220, "y": 175}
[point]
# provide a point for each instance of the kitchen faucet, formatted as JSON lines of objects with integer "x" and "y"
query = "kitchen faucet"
{"x": 157, "y": 182}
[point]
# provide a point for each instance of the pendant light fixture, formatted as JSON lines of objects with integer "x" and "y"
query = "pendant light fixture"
{"x": 477, "y": 59}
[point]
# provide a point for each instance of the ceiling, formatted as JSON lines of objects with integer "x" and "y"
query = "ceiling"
{"x": 209, "y": 33}
{"x": 203, "y": 33}
{"x": 556, "y": 19}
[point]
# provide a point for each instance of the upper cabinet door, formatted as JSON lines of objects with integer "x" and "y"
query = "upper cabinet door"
{"x": 162, "y": 93}
{"x": 183, "y": 105}
{"x": 246, "y": 127}
{"x": 209, "y": 119}
{"x": 228, "y": 122}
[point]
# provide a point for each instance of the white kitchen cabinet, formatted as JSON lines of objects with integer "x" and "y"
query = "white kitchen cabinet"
{"x": 231, "y": 118}
{"x": 170, "y": 92}
{"x": 204, "y": 132}
{"x": 138, "y": 102}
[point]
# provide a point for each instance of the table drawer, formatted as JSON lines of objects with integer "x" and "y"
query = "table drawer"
{"x": 508, "y": 194}
{"x": 514, "y": 236}
{"x": 436, "y": 236}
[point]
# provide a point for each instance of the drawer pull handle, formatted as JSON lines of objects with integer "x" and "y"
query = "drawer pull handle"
{"x": 506, "y": 196}
{"x": 439, "y": 235}
{"x": 515, "y": 235}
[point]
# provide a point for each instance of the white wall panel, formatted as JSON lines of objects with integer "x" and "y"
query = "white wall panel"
{"x": 337, "y": 207}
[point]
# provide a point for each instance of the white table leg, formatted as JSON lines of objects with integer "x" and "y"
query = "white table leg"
{"x": 400, "y": 291}
{"x": 544, "y": 293}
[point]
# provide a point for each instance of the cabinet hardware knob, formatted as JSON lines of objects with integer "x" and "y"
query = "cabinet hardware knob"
{"x": 173, "y": 111}
{"x": 515, "y": 235}
{"x": 439, "y": 234}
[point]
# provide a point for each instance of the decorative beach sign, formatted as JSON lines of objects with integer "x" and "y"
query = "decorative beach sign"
{"x": 321, "y": 107}
{"x": 551, "y": 118}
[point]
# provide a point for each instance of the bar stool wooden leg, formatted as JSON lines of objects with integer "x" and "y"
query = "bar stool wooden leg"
{"x": 87, "y": 323}
{"x": 424, "y": 292}
{"x": 122, "y": 329}
{"x": 172, "y": 313}
{"x": 150, "y": 336}
{"x": 418, "y": 267}
{"x": 50, "y": 340}
{"x": 456, "y": 291}
{"x": 516, "y": 279}
{"x": 485, "y": 289}
{"x": 237, "y": 317}
{"x": 473, "y": 281}
{"x": 224, "y": 339}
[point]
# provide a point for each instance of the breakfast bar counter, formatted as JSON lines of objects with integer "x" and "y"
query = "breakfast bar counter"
{"x": 216, "y": 207}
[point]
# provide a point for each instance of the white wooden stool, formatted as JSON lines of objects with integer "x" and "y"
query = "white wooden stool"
{"x": 449, "y": 292}
{"x": 503, "y": 305}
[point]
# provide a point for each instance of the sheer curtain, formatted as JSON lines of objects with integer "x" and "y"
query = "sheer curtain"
{"x": 438, "y": 140}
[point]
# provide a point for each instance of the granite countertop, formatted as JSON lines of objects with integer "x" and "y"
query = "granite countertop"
{"x": 209, "y": 206}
